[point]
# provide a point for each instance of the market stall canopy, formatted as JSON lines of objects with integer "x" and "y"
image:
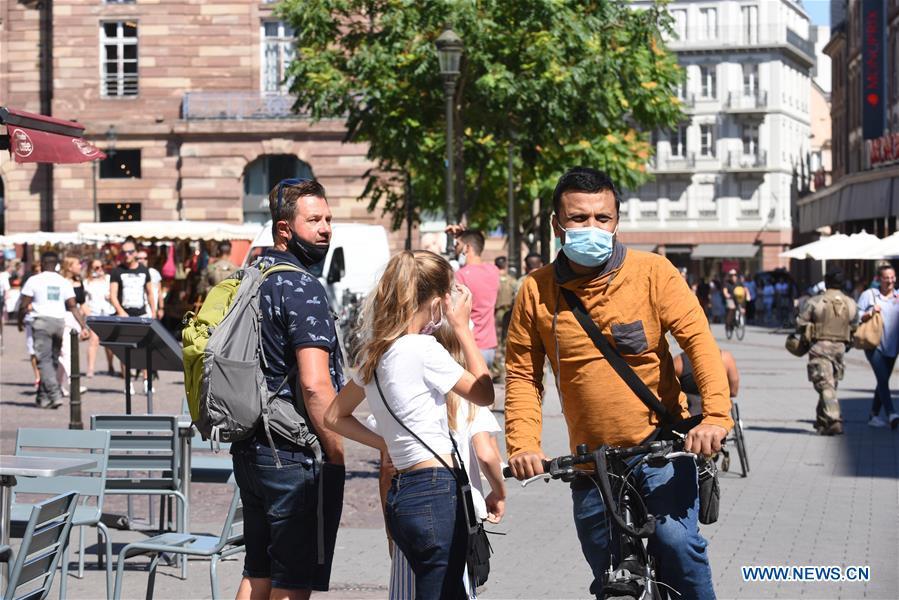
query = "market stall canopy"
{"x": 855, "y": 246}
{"x": 888, "y": 247}
{"x": 34, "y": 138}
{"x": 171, "y": 230}
{"x": 725, "y": 251}
{"x": 814, "y": 249}
{"x": 40, "y": 238}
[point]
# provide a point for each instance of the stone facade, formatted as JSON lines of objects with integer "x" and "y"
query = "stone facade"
{"x": 204, "y": 110}
{"x": 726, "y": 177}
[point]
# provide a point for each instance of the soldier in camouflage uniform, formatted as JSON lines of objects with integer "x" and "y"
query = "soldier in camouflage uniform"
{"x": 218, "y": 270}
{"x": 828, "y": 321}
{"x": 505, "y": 297}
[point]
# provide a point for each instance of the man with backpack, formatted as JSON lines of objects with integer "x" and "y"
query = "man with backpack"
{"x": 827, "y": 321}
{"x": 600, "y": 313}
{"x": 290, "y": 469}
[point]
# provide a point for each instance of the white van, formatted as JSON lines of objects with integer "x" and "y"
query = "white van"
{"x": 355, "y": 260}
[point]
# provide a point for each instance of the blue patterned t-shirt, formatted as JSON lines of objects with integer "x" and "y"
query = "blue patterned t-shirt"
{"x": 295, "y": 314}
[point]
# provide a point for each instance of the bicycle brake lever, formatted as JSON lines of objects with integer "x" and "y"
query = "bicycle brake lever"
{"x": 544, "y": 476}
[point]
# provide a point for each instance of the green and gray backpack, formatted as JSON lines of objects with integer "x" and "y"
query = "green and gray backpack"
{"x": 222, "y": 348}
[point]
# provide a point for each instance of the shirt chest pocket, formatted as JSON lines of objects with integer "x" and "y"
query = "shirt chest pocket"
{"x": 630, "y": 338}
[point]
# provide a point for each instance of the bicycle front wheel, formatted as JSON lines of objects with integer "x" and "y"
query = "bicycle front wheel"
{"x": 741, "y": 327}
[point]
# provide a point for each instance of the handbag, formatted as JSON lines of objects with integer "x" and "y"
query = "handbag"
{"x": 478, "y": 550}
{"x": 708, "y": 501}
{"x": 869, "y": 333}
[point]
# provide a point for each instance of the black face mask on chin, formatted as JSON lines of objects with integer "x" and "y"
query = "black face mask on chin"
{"x": 308, "y": 254}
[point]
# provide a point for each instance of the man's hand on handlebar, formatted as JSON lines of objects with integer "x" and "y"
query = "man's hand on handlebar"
{"x": 704, "y": 439}
{"x": 527, "y": 464}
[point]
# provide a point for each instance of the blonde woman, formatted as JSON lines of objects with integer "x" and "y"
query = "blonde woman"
{"x": 71, "y": 272}
{"x": 473, "y": 427}
{"x": 96, "y": 288}
{"x": 406, "y": 374}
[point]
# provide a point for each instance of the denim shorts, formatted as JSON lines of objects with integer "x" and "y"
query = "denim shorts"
{"x": 284, "y": 540}
{"x": 427, "y": 522}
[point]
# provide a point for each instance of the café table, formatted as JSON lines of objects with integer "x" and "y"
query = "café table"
{"x": 31, "y": 466}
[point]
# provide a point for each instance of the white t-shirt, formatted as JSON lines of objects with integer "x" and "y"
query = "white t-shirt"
{"x": 97, "y": 291}
{"x": 415, "y": 375}
{"x": 156, "y": 286}
{"x": 483, "y": 421}
{"x": 49, "y": 292}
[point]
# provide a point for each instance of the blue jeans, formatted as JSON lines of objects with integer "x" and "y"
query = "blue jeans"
{"x": 291, "y": 514}
{"x": 671, "y": 494}
{"x": 425, "y": 518}
{"x": 883, "y": 368}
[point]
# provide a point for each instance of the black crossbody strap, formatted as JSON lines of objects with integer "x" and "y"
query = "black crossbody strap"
{"x": 615, "y": 359}
{"x": 464, "y": 479}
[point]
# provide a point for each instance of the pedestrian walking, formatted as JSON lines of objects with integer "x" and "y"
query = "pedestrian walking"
{"x": 292, "y": 509}
{"x": 751, "y": 293}
{"x": 46, "y": 297}
{"x": 130, "y": 285}
{"x": 634, "y": 298}
{"x": 406, "y": 374}
{"x": 768, "y": 293}
{"x": 883, "y": 300}
{"x": 827, "y": 322}
{"x": 96, "y": 288}
{"x": 71, "y": 272}
{"x": 482, "y": 278}
{"x": 716, "y": 299}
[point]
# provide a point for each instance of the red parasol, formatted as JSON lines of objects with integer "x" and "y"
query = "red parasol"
{"x": 41, "y": 139}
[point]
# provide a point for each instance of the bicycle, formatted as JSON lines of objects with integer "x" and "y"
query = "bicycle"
{"x": 738, "y": 326}
{"x": 632, "y": 577}
{"x": 739, "y": 441}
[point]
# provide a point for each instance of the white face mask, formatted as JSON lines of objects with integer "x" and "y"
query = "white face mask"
{"x": 433, "y": 325}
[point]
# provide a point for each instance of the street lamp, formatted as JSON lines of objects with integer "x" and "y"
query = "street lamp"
{"x": 449, "y": 53}
{"x": 111, "y": 138}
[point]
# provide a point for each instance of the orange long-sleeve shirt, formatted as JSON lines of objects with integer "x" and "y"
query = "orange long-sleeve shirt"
{"x": 637, "y": 299}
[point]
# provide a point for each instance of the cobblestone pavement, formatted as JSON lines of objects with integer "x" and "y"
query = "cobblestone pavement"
{"x": 809, "y": 500}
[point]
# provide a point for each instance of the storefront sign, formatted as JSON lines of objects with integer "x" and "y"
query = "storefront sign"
{"x": 882, "y": 151}
{"x": 874, "y": 99}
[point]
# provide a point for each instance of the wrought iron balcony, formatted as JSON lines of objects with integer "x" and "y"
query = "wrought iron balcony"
{"x": 197, "y": 106}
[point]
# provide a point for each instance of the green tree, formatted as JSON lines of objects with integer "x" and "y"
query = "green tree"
{"x": 566, "y": 82}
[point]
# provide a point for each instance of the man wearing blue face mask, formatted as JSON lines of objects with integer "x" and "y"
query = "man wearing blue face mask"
{"x": 634, "y": 298}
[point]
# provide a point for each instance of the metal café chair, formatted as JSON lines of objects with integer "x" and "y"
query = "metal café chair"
{"x": 145, "y": 444}
{"x": 229, "y": 542}
{"x": 91, "y": 487}
{"x": 46, "y": 534}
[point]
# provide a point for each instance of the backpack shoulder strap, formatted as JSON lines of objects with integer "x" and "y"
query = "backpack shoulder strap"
{"x": 615, "y": 359}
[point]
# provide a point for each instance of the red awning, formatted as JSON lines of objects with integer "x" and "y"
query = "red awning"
{"x": 42, "y": 139}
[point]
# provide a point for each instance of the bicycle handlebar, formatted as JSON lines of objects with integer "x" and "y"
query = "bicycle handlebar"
{"x": 563, "y": 467}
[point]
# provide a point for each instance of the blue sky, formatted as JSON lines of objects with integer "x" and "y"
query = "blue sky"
{"x": 818, "y": 11}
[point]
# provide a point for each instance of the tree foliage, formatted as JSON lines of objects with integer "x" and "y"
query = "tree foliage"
{"x": 565, "y": 82}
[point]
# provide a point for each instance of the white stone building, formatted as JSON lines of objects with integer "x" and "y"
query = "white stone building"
{"x": 722, "y": 190}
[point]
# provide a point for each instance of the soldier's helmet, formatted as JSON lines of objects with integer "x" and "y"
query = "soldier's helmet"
{"x": 796, "y": 345}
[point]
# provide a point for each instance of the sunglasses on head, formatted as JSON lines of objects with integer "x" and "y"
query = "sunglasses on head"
{"x": 286, "y": 183}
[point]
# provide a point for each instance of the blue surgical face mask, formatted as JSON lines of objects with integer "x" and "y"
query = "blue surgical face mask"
{"x": 588, "y": 246}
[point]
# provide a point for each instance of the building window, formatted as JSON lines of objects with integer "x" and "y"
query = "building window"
{"x": 750, "y": 79}
{"x": 119, "y": 211}
{"x": 708, "y": 81}
{"x": 708, "y": 23}
{"x": 262, "y": 175}
{"x": 707, "y": 140}
{"x": 680, "y": 23}
{"x": 118, "y": 47}
{"x": 750, "y": 26}
{"x": 678, "y": 139}
{"x": 120, "y": 164}
{"x": 750, "y": 140}
{"x": 277, "y": 52}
